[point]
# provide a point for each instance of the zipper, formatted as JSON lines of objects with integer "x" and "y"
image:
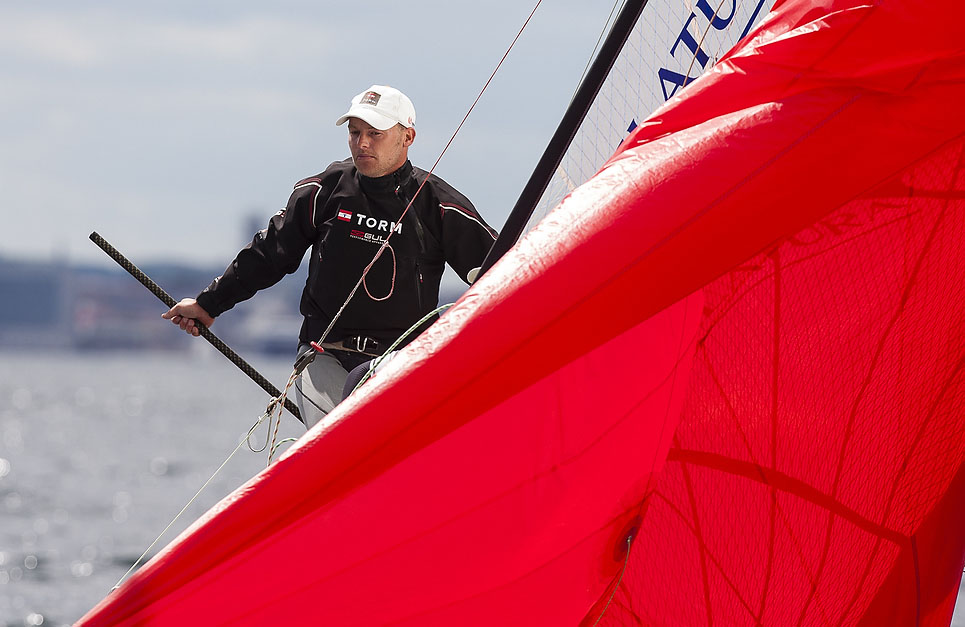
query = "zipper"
{"x": 419, "y": 231}
{"x": 418, "y": 287}
{"x": 421, "y": 236}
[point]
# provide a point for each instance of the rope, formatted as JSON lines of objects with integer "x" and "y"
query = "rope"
{"x": 378, "y": 360}
{"x": 188, "y": 504}
{"x": 616, "y": 587}
{"x": 596, "y": 47}
{"x": 385, "y": 244}
{"x": 275, "y": 403}
{"x": 280, "y": 399}
{"x": 431, "y": 170}
{"x": 391, "y": 286}
{"x": 272, "y": 452}
{"x": 700, "y": 45}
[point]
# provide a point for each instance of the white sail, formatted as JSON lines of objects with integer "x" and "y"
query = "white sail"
{"x": 672, "y": 44}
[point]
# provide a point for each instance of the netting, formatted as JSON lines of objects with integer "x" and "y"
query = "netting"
{"x": 672, "y": 44}
{"x": 822, "y": 427}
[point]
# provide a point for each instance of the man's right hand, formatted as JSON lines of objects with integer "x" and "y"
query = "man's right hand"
{"x": 185, "y": 313}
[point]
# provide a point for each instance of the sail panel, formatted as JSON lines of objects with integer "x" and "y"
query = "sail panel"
{"x": 481, "y": 505}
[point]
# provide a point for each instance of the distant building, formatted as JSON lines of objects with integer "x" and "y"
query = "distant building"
{"x": 56, "y": 305}
{"x": 36, "y": 299}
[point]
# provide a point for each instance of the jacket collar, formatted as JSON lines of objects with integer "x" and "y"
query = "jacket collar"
{"x": 386, "y": 184}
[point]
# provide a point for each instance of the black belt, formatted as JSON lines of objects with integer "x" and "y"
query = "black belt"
{"x": 357, "y": 344}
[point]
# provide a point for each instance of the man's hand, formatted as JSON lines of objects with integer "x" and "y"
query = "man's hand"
{"x": 185, "y": 313}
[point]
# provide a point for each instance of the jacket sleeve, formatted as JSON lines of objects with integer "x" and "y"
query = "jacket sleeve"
{"x": 273, "y": 252}
{"x": 466, "y": 238}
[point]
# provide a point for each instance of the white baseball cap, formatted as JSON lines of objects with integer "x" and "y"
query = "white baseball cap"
{"x": 381, "y": 106}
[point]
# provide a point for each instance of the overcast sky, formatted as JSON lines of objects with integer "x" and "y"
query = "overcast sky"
{"x": 166, "y": 126}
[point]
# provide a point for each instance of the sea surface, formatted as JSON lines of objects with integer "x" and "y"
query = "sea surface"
{"x": 98, "y": 454}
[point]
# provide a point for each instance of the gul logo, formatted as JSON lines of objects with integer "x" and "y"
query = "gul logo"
{"x": 345, "y": 216}
{"x": 373, "y": 238}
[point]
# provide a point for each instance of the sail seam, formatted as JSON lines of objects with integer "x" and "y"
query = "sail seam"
{"x": 786, "y": 484}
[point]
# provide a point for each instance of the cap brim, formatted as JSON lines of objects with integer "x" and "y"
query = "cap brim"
{"x": 368, "y": 115}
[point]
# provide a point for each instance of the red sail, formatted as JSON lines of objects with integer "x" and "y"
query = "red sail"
{"x": 721, "y": 384}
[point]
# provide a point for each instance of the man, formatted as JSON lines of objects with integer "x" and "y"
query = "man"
{"x": 345, "y": 215}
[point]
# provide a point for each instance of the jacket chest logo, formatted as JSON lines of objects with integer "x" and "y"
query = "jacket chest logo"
{"x": 374, "y": 224}
{"x": 367, "y": 228}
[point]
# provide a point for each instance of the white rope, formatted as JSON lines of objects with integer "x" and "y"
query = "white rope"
{"x": 188, "y": 504}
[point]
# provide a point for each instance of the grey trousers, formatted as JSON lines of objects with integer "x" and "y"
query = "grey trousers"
{"x": 320, "y": 386}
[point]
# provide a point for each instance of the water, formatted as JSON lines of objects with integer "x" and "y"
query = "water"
{"x": 99, "y": 452}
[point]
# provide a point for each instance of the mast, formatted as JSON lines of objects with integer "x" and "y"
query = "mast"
{"x": 565, "y": 132}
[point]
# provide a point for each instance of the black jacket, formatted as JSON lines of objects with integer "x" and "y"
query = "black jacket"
{"x": 345, "y": 217}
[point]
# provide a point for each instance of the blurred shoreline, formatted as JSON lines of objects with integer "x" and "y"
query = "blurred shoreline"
{"x": 62, "y": 306}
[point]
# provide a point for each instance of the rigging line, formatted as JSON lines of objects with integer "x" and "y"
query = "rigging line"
{"x": 272, "y": 405}
{"x": 187, "y": 505}
{"x": 619, "y": 580}
{"x": 431, "y": 170}
{"x": 700, "y": 44}
{"x": 279, "y": 404}
{"x": 596, "y": 47}
{"x": 280, "y": 442}
{"x": 565, "y": 132}
{"x": 274, "y": 422}
{"x": 378, "y": 360}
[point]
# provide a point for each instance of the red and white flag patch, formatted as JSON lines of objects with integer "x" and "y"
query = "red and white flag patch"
{"x": 345, "y": 216}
